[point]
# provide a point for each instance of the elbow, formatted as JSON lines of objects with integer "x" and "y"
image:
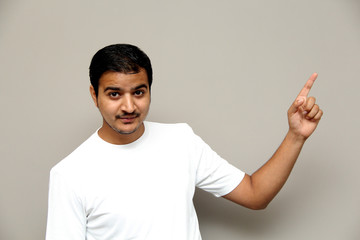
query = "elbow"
{"x": 258, "y": 205}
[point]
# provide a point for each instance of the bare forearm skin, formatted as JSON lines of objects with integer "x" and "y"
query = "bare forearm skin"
{"x": 257, "y": 190}
{"x": 271, "y": 177}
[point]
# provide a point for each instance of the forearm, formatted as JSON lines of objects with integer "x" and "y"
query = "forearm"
{"x": 268, "y": 180}
{"x": 256, "y": 191}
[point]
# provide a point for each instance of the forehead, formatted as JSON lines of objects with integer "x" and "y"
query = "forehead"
{"x": 123, "y": 80}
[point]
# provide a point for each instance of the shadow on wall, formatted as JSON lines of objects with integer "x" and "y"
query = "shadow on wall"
{"x": 227, "y": 215}
{"x": 293, "y": 205}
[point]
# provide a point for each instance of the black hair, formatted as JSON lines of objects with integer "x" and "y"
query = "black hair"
{"x": 124, "y": 58}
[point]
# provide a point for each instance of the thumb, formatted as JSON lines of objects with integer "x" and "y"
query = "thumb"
{"x": 296, "y": 104}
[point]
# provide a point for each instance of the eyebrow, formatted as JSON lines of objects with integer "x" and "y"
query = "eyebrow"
{"x": 119, "y": 89}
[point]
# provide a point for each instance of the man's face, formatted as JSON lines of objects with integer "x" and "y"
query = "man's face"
{"x": 123, "y": 101}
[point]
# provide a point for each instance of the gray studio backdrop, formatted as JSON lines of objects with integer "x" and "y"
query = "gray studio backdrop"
{"x": 228, "y": 68}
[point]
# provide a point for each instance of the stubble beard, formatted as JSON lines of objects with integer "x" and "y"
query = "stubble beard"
{"x": 122, "y": 131}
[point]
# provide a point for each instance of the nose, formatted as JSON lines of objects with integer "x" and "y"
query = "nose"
{"x": 127, "y": 104}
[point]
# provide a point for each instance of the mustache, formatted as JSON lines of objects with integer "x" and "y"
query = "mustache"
{"x": 127, "y": 115}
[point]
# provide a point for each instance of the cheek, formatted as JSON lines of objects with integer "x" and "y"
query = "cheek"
{"x": 144, "y": 105}
{"x": 107, "y": 108}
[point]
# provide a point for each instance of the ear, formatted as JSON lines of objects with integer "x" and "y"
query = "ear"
{"x": 93, "y": 95}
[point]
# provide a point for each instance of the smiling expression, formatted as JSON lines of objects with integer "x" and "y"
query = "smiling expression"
{"x": 123, "y": 101}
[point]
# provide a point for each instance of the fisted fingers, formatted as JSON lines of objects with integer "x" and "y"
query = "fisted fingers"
{"x": 312, "y": 110}
{"x": 318, "y": 115}
{"x": 309, "y": 103}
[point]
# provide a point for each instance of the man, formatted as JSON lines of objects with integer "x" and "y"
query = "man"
{"x": 134, "y": 179}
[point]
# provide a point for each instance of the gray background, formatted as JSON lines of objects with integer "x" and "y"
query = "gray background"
{"x": 228, "y": 68}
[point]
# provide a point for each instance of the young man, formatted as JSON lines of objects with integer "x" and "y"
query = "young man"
{"x": 134, "y": 179}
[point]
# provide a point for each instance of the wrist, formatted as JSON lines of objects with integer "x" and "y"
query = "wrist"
{"x": 295, "y": 137}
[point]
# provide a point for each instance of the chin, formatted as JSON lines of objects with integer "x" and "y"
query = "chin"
{"x": 126, "y": 131}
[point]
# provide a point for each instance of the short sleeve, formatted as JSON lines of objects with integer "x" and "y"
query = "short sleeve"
{"x": 66, "y": 215}
{"x": 214, "y": 174}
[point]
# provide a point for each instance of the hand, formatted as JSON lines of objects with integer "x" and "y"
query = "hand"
{"x": 304, "y": 115}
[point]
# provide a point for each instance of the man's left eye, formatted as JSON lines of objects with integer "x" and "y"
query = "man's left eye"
{"x": 138, "y": 93}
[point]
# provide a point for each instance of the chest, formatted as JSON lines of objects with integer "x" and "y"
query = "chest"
{"x": 133, "y": 190}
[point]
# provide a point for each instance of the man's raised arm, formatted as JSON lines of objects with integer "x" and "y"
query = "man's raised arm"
{"x": 256, "y": 191}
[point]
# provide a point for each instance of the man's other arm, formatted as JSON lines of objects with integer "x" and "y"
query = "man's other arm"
{"x": 257, "y": 190}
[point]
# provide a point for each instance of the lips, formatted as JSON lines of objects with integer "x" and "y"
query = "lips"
{"x": 128, "y": 118}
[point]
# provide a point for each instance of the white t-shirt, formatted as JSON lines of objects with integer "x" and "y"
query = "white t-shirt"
{"x": 142, "y": 190}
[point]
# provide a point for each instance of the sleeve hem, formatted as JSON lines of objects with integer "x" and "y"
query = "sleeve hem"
{"x": 231, "y": 186}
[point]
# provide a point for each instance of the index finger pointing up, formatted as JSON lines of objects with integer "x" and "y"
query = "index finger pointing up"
{"x": 306, "y": 89}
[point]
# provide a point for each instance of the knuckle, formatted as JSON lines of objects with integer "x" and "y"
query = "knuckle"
{"x": 319, "y": 115}
{"x": 316, "y": 107}
{"x": 307, "y": 107}
{"x": 310, "y": 103}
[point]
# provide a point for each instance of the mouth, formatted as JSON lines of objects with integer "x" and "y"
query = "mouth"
{"x": 127, "y": 118}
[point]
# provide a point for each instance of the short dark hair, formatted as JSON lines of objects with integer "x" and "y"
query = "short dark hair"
{"x": 124, "y": 58}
